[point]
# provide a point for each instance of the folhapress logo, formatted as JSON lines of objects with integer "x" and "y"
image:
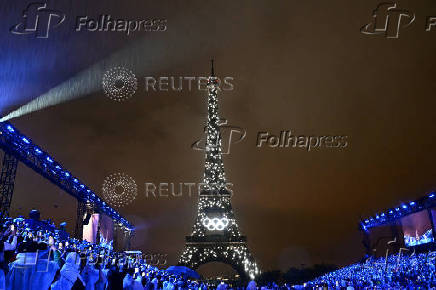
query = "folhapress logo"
{"x": 230, "y": 135}
{"x": 387, "y": 20}
{"x": 286, "y": 140}
{"x": 38, "y": 19}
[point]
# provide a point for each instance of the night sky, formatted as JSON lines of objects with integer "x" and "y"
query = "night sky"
{"x": 302, "y": 66}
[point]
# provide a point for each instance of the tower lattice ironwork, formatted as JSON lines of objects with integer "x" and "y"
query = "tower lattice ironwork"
{"x": 215, "y": 236}
{"x": 7, "y": 182}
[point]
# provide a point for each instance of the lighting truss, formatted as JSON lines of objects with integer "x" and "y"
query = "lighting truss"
{"x": 22, "y": 147}
{"x": 392, "y": 214}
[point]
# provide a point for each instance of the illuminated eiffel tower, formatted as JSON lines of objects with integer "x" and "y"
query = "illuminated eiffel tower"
{"x": 215, "y": 236}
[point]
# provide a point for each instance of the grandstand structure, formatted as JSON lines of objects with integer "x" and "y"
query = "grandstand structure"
{"x": 408, "y": 226}
{"x": 20, "y": 148}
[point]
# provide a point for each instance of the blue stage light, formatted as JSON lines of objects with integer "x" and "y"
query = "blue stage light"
{"x": 25, "y": 140}
{"x": 431, "y": 195}
{"x": 67, "y": 174}
{"x": 404, "y": 206}
{"x": 412, "y": 203}
{"x": 37, "y": 151}
{"x": 57, "y": 167}
{"x": 391, "y": 211}
{"x": 10, "y": 129}
{"x": 377, "y": 217}
{"x": 49, "y": 159}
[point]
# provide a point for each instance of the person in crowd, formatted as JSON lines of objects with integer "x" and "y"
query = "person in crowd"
{"x": 252, "y": 285}
{"x": 128, "y": 279}
{"x": 168, "y": 284}
{"x": 222, "y": 286}
{"x": 115, "y": 278}
{"x": 102, "y": 280}
{"x": 155, "y": 284}
{"x": 8, "y": 242}
{"x": 90, "y": 273}
{"x": 69, "y": 274}
{"x": 45, "y": 268}
{"x": 20, "y": 271}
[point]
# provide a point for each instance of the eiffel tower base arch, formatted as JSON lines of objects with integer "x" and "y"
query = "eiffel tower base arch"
{"x": 235, "y": 254}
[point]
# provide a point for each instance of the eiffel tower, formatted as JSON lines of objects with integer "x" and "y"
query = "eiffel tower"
{"x": 215, "y": 236}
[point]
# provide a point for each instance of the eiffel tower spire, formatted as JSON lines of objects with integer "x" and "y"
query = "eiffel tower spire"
{"x": 214, "y": 177}
{"x": 215, "y": 235}
{"x": 212, "y": 74}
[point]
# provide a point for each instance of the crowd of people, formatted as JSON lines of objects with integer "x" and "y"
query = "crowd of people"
{"x": 396, "y": 271}
{"x": 36, "y": 255}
